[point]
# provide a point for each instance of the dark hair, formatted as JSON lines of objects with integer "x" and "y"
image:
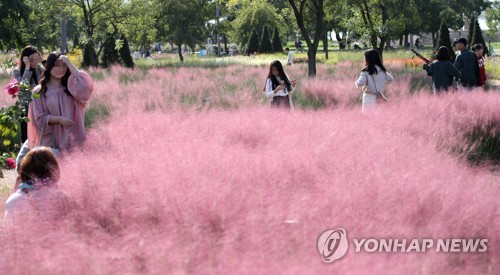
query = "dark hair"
{"x": 443, "y": 54}
{"x": 372, "y": 58}
{"x": 477, "y": 47}
{"x": 287, "y": 49}
{"x": 274, "y": 80}
{"x": 40, "y": 162}
{"x": 51, "y": 61}
{"x": 27, "y": 51}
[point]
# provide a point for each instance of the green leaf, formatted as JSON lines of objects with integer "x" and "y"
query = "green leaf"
{"x": 6, "y": 142}
{"x": 36, "y": 96}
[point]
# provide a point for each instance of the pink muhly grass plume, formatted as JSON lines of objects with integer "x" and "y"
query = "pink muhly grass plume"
{"x": 216, "y": 191}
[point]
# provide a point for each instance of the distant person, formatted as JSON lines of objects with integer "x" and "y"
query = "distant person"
{"x": 466, "y": 63}
{"x": 278, "y": 85}
{"x": 373, "y": 79}
{"x": 30, "y": 70}
{"x": 478, "y": 50}
{"x": 298, "y": 45}
{"x": 289, "y": 61}
{"x": 148, "y": 54}
{"x": 417, "y": 43}
{"x": 137, "y": 55}
{"x": 37, "y": 194}
{"x": 442, "y": 71}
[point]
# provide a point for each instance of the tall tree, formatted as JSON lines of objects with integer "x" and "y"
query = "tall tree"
{"x": 277, "y": 45}
{"x": 445, "y": 39}
{"x": 477, "y": 37}
{"x": 110, "y": 54}
{"x": 493, "y": 18}
{"x": 184, "y": 21}
{"x": 13, "y": 14}
{"x": 253, "y": 42}
{"x": 253, "y": 15}
{"x": 314, "y": 10}
{"x": 472, "y": 22}
{"x": 265, "y": 42}
{"x": 125, "y": 56}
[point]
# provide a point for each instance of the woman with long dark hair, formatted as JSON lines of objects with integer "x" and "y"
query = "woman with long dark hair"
{"x": 442, "y": 71}
{"x": 278, "y": 85}
{"x": 373, "y": 79}
{"x": 63, "y": 93}
{"x": 478, "y": 50}
{"x": 30, "y": 71}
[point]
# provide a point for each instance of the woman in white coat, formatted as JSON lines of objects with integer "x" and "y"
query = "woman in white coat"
{"x": 373, "y": 79}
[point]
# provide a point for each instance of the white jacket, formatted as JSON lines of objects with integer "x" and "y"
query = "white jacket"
{"x": 366, "y": 81}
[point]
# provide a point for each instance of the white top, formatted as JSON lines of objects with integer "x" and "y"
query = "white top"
{"x": 365, "y": 80}
{"x": 290, "y": 57}
{"x": 51, "y": 201}
{"x": 269, "y": 88}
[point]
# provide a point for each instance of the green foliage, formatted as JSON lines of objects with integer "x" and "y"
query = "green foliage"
{"x": 265, "y": 42}
{"x": 444, "y": 39}
{"x": 110, "y": 54}
{"x": 10, "y": 119}
{"x": 13, "y": 16}
{"x": 254, "y": 15}
{"x": 125, "y": 56}
{"x": 183, "y": 22}
{"x": 472, "y": 26}
{"x": 483, "y": 143}
{"x": 76, "y": 40}
{"x": 253, "y": 42}
{"x": 277, "y": 45}
{"x": 89, "y": 55}
{"x": 493, "y": 18}
{"x": 478, "y": 38}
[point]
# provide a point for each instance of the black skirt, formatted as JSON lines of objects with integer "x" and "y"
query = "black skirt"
{"x": 280, "y": 102}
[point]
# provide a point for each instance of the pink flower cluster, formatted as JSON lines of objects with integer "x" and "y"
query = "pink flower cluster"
{"x": 11, "y": 163}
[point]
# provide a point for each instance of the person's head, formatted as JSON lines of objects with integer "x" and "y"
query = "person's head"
{"x": 287, "y": 49}
{"x": 443, "y": 54}
{"x": 478, "y": 49}
{"x": 33, "y": 55}
{"x": 372, "y": 59}
{"x": 40, "y": 162}
{"x": 275, "y": 70}
{"x": 55, "y": 69}
{"x": 460, "y": 44}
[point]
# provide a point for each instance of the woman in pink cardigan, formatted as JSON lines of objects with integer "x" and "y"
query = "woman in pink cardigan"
{"x": 63, "y": 93}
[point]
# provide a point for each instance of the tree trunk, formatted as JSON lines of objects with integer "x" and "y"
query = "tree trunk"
{"x": 179, "y": 51}
{"x": 407, "y": 44}
{"x": 311, "y": 63}
{"x": 434, "y": 39}
{"x": 325, "y": 45}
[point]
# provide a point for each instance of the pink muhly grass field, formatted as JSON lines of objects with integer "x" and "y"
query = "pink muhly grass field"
{"x": 193, "y": 188}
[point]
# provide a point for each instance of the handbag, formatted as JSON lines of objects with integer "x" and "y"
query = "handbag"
{"x": 53, "y": 148}
{"x": 378, "y": 92}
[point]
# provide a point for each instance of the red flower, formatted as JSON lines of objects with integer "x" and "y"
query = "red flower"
{"x": 11, "y": 163}
{"x": 12, "y": 88}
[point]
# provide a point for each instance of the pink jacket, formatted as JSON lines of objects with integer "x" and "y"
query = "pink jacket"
{"x": 56, "y": 102}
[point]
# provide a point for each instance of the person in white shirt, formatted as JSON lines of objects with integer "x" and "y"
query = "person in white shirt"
{"x": 289, "y": 62}
{"x": 373, "y": 79}
{"x": 278, "y": 85}
{"x": 37, "y": 195}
